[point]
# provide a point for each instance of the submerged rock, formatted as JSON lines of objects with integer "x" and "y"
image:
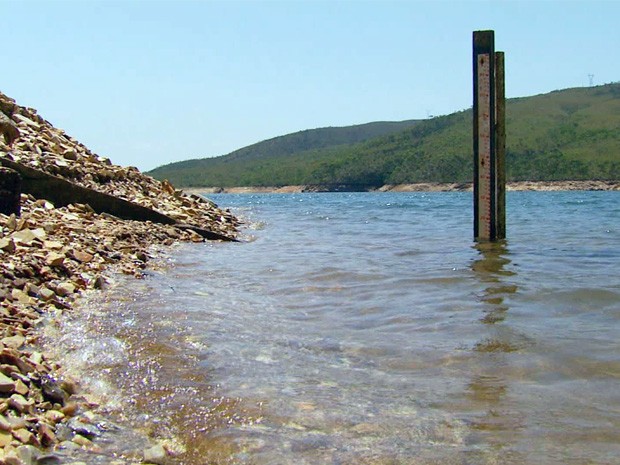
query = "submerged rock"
{"x": 52, "y": 391}
{"x": 155, "y": 455}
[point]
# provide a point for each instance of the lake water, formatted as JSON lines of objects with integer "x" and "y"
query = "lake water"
{"x": 368, "y": 328}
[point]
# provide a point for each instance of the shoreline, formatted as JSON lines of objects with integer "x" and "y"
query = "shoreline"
{"x": 55, "y": 252}
{"x": 414, "y": 187}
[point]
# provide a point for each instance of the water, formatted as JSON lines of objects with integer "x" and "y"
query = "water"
{"x": 369, "y": 329}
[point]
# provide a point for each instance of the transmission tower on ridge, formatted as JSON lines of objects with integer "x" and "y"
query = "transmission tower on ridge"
{"x": 591, "y": 78}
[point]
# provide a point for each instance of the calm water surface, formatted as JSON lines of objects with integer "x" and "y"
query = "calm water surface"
{"x": 371, "y": 329}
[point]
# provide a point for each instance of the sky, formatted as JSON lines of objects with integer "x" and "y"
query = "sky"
{"x": 151, "y": 82}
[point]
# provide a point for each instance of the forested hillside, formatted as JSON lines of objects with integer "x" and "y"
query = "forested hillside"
{"x": 193, "y": 172}
{"x": 569, "y": 134}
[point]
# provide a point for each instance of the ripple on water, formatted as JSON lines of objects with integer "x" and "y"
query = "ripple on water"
{"x": 398, "y": 343}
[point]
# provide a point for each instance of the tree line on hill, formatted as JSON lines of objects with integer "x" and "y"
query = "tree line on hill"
{"x": 572, "y": 134}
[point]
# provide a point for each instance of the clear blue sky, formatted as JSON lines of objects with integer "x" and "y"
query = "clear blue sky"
{"x": 147, "y": 83}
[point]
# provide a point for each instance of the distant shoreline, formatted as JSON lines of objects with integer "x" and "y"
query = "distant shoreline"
{"x": 417, "y": 187}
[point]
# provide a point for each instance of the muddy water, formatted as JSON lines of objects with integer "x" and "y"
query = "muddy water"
{"x": 369, "y": 329}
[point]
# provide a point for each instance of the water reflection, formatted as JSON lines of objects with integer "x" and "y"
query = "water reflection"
{"x": 487, "y": 408}
{"x": 491, "y": 270}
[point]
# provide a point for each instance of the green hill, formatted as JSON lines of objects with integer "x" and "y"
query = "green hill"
{"x": 241, "y": 165}
{"x": 572, "y": 134}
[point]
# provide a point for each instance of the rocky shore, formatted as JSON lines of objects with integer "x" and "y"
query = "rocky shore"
{"x": 419, "y": 187}
{"x": 51, "y": 253}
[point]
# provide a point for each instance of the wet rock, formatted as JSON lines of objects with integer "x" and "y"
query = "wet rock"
{"x": 14, "y": 342}
{"x": 99, "y": 283}
{"x": 311, "y": 442}
{"x": 155, "y": 455}
{"x": 52, "y": 391}
{"x": 36, "y": 357}
{"x": 82, "y": 441}
{"x": 68, "y": 446}
{"x": 53, "y": 460}
{"x": 85, "y": 429}
{"x": 64, "y": 433}
{"x": 366, "y": 429}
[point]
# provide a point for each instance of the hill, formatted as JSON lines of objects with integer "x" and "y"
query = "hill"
{"x": 569, "y": 134}
{"x": 243, "y": 163}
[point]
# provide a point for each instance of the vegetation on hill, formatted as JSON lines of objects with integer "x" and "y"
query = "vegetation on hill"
{"x": 242, "y": 166}
{"x": 570, "y": 134}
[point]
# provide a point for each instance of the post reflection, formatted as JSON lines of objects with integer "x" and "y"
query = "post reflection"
{"x": 491, "y": 270}
{"x": 487, "y": 408}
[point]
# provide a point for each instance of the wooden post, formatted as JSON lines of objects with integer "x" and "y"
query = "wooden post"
{"x": 500, "y": 143}
{"x": 488, "y": 135}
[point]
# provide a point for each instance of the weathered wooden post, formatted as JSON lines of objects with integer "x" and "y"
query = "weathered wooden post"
{"x": 489, "y": 139}
{"x": 500, "y": 143}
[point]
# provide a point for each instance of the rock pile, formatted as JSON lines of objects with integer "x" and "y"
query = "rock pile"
{"x": 49, "y": 255}
{"x": 48, "y": 149}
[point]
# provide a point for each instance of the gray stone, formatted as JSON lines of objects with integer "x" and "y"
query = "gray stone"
{"x": 85, "y": 429}
{"x": 52, "y": 391}
{"x": 155, "y": 455}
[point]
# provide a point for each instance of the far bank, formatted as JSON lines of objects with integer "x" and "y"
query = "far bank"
{"x": 418, "y": 187}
